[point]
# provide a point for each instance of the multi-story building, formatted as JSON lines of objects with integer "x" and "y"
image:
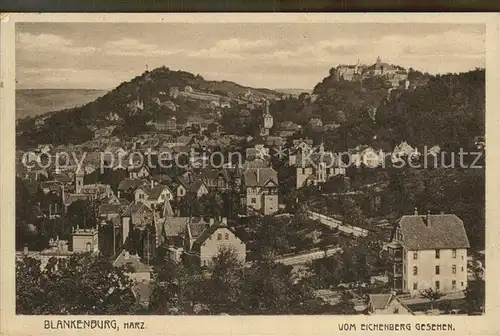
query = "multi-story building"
{"x": 428, "y": 251}
{"x": 261, "y": 190}
{"x": 313, "y": 167}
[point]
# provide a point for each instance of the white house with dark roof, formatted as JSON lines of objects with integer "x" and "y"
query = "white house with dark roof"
{"x": 195, "y": 238}
{"x": 429, "y": 251}
{"x": 215, "y": 237}
{"x": 261, "y": 190}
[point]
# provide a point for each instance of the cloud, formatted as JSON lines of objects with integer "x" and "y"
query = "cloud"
{"x": 50, "y": 42}
{"x": 233, "y": 48}
{"x": 223, "y": 49}
{"x": 134, "y": 47}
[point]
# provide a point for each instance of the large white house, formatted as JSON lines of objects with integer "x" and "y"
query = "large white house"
{"x": 429, "y": 251}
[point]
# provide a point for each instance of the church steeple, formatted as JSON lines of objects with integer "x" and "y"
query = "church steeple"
{"x": 379, "y": 60}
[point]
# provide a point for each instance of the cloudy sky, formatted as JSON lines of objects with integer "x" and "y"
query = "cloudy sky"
{"x": 295, "y": 55}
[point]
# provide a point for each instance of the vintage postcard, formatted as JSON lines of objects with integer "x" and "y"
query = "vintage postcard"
{"x": 249, "y": 174}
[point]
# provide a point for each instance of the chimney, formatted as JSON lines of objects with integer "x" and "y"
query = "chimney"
{"x": 118, "y": 194}
{"x": 442, "y": 212}
{"x": 415, "y": 212}
{"x": 258, "y": 175}
{"x": 224, "y": 221}
{"x": 428, "y": 218}
{"x": 126, "y": 255}
{"x": 211, "y": 222}
{"x": 152, "y": 184}
{"x": 25, "y": 250}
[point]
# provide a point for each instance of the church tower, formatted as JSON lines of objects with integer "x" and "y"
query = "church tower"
{"x": 268, "y": 118}
{"x": 79, "y": 181}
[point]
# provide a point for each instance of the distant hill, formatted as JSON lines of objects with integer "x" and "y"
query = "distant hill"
{"x": 132, "y": 104}
{"x": 32, "y": 102}
{"x": 294, "y": 92}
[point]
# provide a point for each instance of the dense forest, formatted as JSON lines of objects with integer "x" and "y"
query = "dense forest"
{"x": 445, "y": 110}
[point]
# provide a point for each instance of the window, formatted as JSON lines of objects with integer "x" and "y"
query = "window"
{"x": 219, "y": 236}
{"x": 415, "y": 270}
{"x": 461, "y": 284}
{"x": 415, "y": 255}
{"x": 226, "y": 237}
{"x": 437, "y": 254}
{"x": 437, "y": 285}
{"x": 453, "y": 284}
{"x": 437, "y": 269}
{"x": 454, "y": 269}
{"x": 454, "y": 253}
{"x": 415, "y": 286}
{"x": 462, "y": 269}
{"x": 254, "y": 200}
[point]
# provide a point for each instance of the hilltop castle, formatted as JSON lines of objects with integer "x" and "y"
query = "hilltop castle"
{"x": 396, "y": 76}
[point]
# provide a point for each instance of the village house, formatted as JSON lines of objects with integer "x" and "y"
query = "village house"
{"x": 166, "y": 123}
{"x": 261, "y": 190}
{"x": 97, "y": 191}
{"x": 314, "y": 166}
{"x": 386, "y": 304}
{"x": 152, "y": 194}
{"x": 127, "y": 187}
{"x": 288, "y": 128}
{"x": 194, "y": 240}
{"x": 139, "y": 215}
{"x": 138, "y": 172}
{"x": 428, "y": 251}
{"x": 71, "y": 198}
{"x": 213, "y": 239}
{"x": 141, "y": 272}
{"x": 109, "y": 211}
{"x": 216, "y": 179}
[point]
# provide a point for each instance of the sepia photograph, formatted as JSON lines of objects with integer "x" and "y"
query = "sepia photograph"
{"x": 233, "y": 168}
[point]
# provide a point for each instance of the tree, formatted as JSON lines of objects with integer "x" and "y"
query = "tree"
{"x": 432, "y": 295}
{"x": 270, "y": 288}
{"x": 82, "y": 213}
{"x": 78, "y": 285}
{"x": 345, "y": 306}
{"x": 176, "y": 289}
{"x": 352, "y": 212}
{"x": 475, "y": 292}
{"x": 223, "y": 291}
